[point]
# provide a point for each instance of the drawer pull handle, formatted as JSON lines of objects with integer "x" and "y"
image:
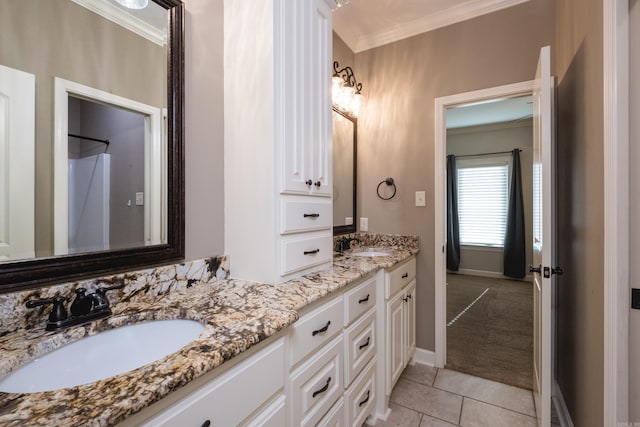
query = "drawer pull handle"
{"x": 311, "y": 252}
{"x": 365, "y": 344}
{"x": 365, "y": 299}
{"x": 405, "y": 275}
{"x": 366, "y": 399}
{"x": 206, "y": 423}
{"x": 323, "y": 389}
{"x": 321, "y": 330}
{"x": 314, "y": 215}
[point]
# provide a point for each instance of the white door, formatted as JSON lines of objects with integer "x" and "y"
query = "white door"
{"x": 17, "y": 157}
{"x": 543, "y": 234}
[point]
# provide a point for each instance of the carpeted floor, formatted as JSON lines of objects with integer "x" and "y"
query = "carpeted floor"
{"x": 493, "y": 338}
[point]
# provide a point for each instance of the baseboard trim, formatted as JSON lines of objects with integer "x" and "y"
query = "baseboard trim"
{"x": 561, "y": 406}
{"x": 492, "y": 274}
{"x": 424, "y": 357}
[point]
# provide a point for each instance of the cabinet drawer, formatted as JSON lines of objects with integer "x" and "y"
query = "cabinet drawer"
{"x": 360, "y": 345}
{"x": 399, "y": 277}
{"x": 300, "y": 252}
{"x": 232, "y": 397}
{"x": 359, "y": 299}
{"x": 360, "y": 397}
{"x": 274, "y": 415}
{"x": 335, "y": 417}
{"x": 316, "y": 328}
{"x": 302, "y": 215}
{"x": 317, "y": 384}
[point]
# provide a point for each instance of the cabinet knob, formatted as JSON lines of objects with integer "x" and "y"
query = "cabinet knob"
{"x": 309, "y": 182}
{"x": 318, "y": 184}
{"x": 207, "y": 423}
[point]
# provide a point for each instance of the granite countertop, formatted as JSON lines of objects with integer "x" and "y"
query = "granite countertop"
{"x": 237, "y": 315}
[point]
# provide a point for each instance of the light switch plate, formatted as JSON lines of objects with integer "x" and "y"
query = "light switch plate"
{"x": 139, "y": 199}
{"x": 421, "y": 198}
{"x": 348, "y": 220}
{"x": 364, "y": 224}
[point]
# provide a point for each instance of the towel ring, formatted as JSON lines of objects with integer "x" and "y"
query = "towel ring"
{"x": 389, "y": 182}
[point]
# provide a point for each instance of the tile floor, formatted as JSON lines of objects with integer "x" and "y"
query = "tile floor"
{"x": 431, "y": 397}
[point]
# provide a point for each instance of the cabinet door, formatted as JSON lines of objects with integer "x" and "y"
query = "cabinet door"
{"x": 320, "y": 54}
{"x": 395, "y": 340}
{"x": 410, "y": 322}
{"x": 305, "y": 39}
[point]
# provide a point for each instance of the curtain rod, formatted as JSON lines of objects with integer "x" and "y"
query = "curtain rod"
{"x": 88, "y": 138}
{"x": 486, "y": 154}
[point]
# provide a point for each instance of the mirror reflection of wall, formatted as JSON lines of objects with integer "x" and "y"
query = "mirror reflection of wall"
{"x": 66, "y": 39}
{"x": 343, "y": 157}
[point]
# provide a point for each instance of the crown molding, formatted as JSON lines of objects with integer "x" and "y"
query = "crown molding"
{"x": 463, "y": 12}
{"x": 126, "y": 20}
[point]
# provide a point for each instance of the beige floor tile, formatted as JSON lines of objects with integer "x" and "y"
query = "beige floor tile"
{"x": 401, "y": 417}
{"x": 428, "y": 421}
{"x": 498, "y": 394}
{"x": 480, "y": 414}
{"x": 427, "y": 400}
{"x": 422, "y": 374}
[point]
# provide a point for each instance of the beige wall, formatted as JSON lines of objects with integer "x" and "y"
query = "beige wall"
{"x": 580, "y": 199}
{"x": 634, "y": 205}
{"x": 489, "y": 139}
{"x": 204, "y": 129}
{"x": 396, "y": 127}
{"x": 66, "y": 40}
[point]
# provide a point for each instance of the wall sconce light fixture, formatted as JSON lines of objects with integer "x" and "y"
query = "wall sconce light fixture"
{"x": 345, "y": 90}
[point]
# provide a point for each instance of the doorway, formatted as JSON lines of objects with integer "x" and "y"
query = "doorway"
{"x": 442, "y": 104}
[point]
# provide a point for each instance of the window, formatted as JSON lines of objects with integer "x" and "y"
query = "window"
{"x": 483, "y": 200}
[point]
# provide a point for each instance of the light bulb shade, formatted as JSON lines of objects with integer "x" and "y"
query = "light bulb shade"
{"x": 134, "y": 4}
{"x": 356, "y": 103}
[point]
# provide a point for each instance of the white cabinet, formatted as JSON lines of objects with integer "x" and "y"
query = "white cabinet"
{"x": 401, "y": 333}
{"x": 396, "y": 316}
{"x": 251, "y": 393}
{"x": 278, "y": 159}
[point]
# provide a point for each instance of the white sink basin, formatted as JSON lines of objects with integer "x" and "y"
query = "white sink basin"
{"x": 101, "y": 356}
{"x": 371, "y": 253}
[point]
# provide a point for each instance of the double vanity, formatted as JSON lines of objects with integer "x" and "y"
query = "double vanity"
{"x": 326, "y": 346}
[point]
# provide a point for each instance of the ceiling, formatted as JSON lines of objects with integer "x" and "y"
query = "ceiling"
{"x": 365, "y": 24}
{"x": 490, "y": 111}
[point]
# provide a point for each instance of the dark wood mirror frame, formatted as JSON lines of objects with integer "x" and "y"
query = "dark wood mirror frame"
{"x": 26, "y": 274}
{"x": 344, "y": 229}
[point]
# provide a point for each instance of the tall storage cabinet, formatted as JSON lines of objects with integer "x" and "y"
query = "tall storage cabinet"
{"x": 277, "y": 103}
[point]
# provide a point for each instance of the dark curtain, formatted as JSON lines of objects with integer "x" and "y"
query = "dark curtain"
{"x": 453, "y": 227}
{"x": 514, "y": 244}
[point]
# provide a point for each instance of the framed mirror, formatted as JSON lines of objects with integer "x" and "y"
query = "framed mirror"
{"x": 91, "y": 138}
{"x": 345, "y": 142}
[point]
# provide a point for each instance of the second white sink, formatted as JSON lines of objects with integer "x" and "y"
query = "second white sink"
{"x": 103, "y": 355}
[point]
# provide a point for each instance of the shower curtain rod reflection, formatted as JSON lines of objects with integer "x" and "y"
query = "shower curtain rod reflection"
{"x": 486, "y": 154}
{"x": 88, "y": 138}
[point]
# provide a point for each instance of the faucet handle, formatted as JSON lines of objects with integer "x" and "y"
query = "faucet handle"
{"x": 58, "y": 312}
{"x": 101, "y": 302}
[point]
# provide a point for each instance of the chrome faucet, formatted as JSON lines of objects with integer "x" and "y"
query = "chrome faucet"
{"x": 84, "y": 308}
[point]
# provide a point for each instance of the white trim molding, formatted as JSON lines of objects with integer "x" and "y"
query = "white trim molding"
{"x": 402, "y": 30}
{"x": 154, "y": 147}
{"x": 126, "y": 20}
{"x": 616, "y": 211}
{"x": 561, "y": 407}
{"x": 423, "y": 357}
{"x": 440, "y": 152}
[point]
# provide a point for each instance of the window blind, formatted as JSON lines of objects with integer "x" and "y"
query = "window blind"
{"x": 483, "y": 195}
